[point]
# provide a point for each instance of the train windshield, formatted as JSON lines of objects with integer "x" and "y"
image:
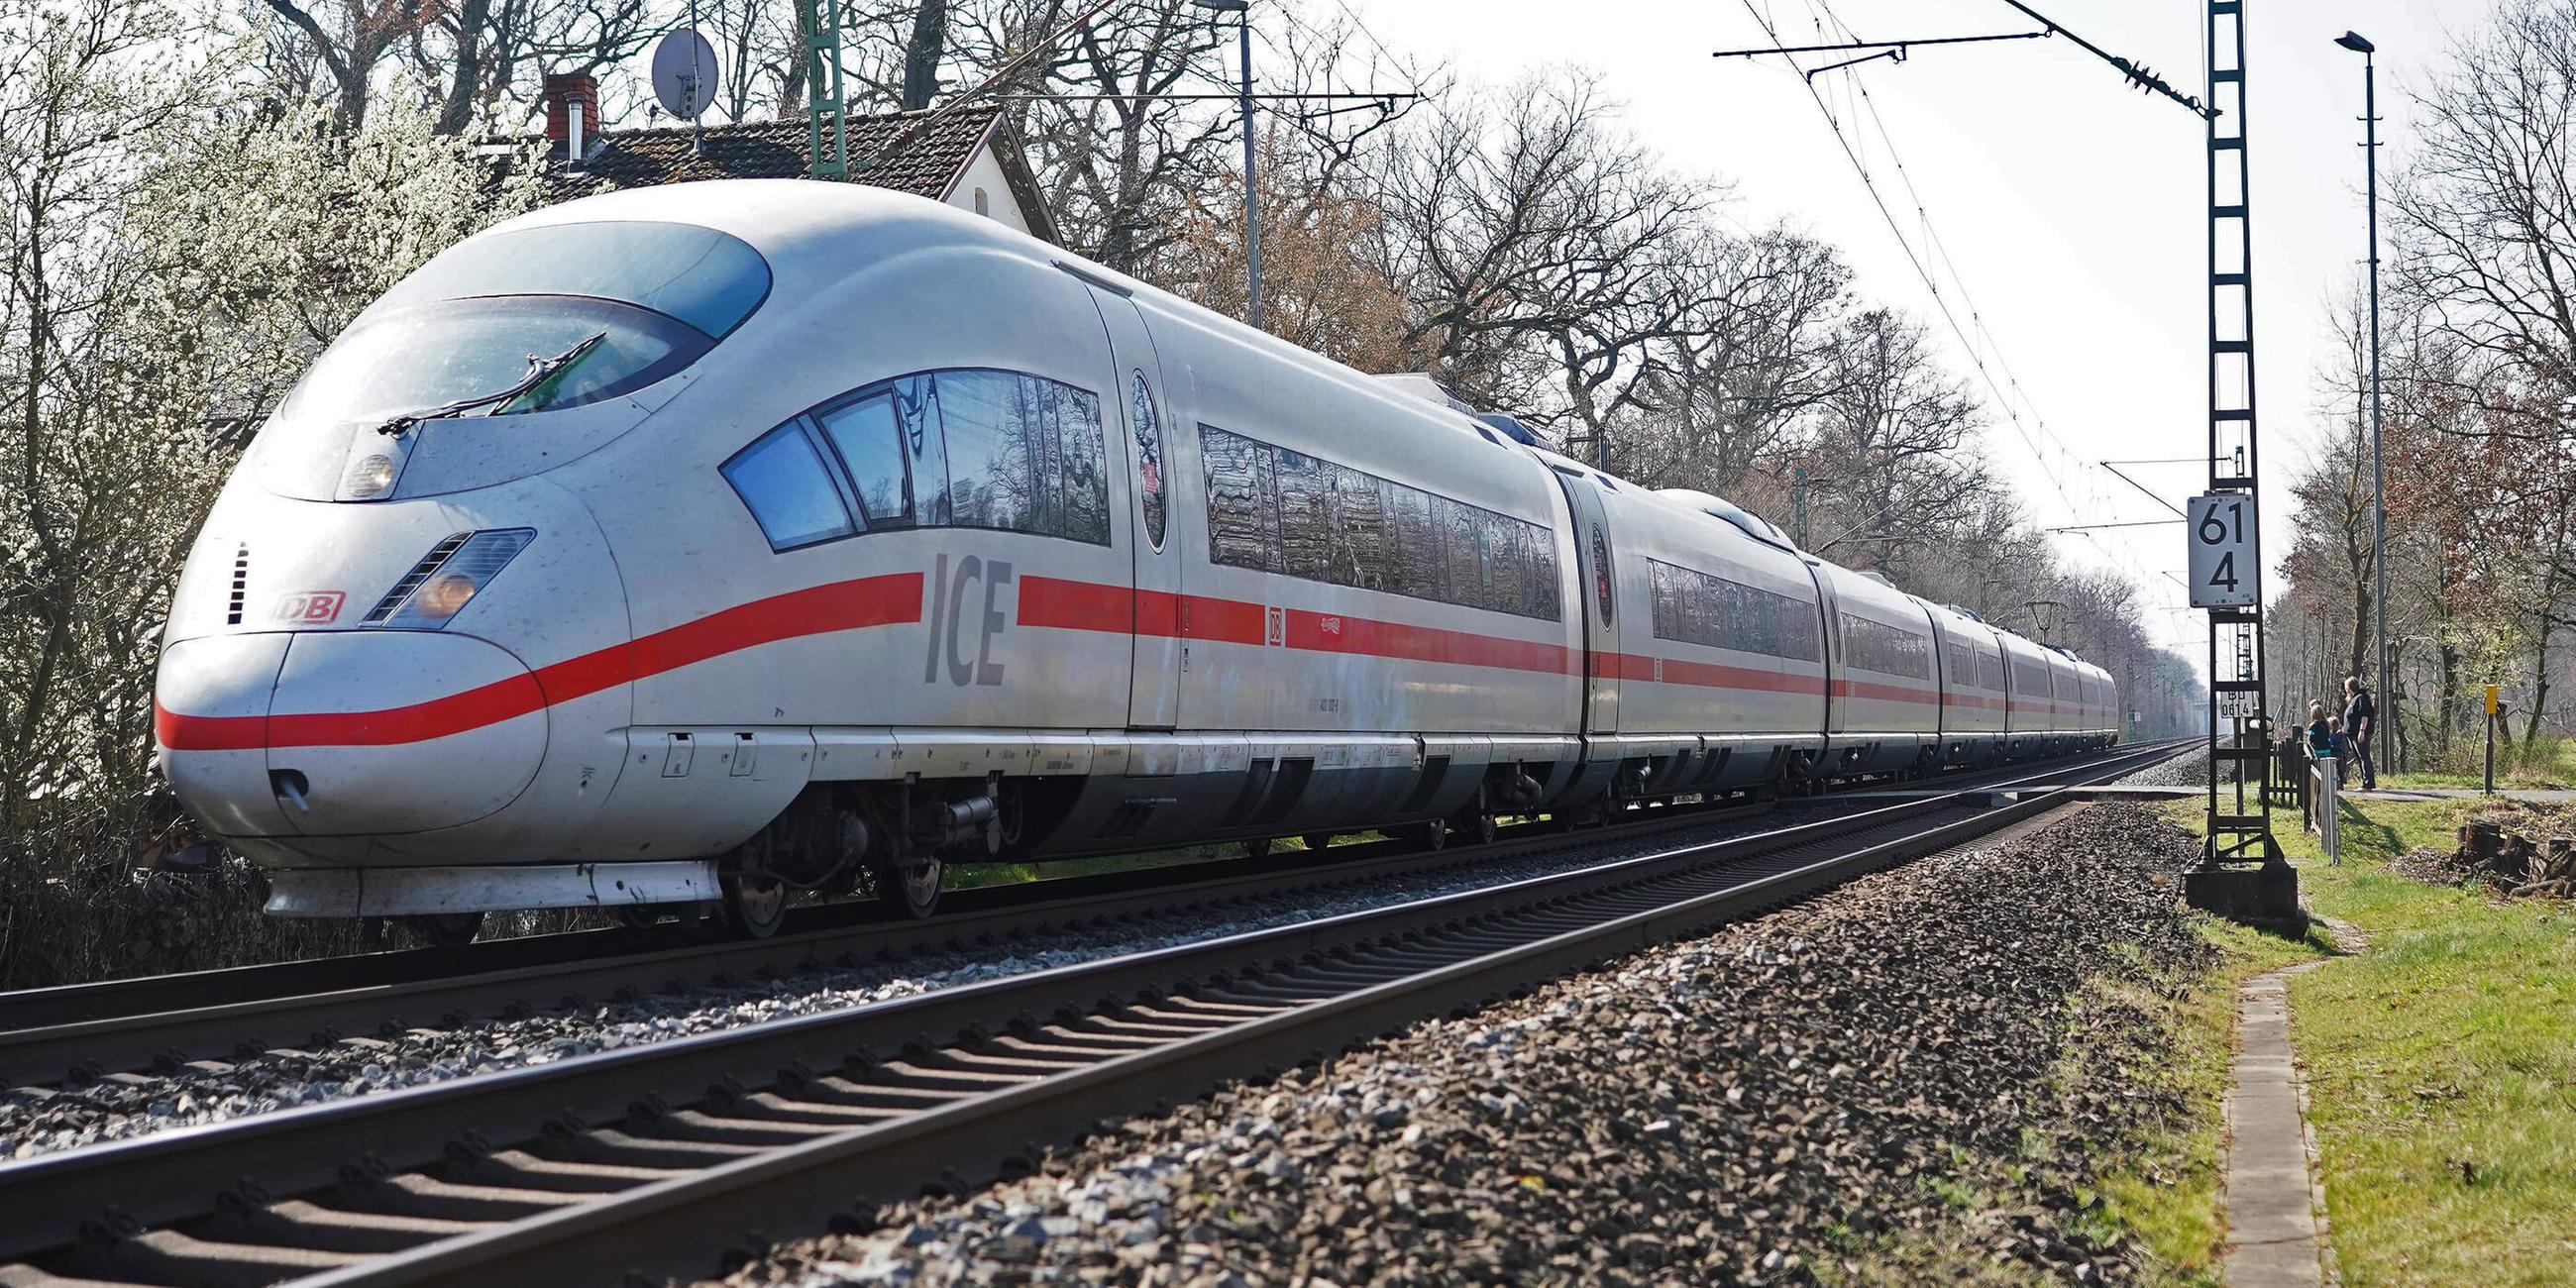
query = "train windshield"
{"x": 656, "y": 296}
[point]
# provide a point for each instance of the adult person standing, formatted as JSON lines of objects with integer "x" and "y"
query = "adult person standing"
{"x": 2360, "y": 722}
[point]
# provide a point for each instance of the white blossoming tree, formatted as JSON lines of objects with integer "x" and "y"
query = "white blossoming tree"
{"x": 175, "y": 248}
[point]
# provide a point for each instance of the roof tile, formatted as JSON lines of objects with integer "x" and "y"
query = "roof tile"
{"x": 778, "y": 150}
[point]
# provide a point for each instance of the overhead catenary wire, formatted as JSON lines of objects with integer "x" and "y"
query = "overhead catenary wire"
{"x": 1940, "y": 301}
{"x": 1853, "y": 149}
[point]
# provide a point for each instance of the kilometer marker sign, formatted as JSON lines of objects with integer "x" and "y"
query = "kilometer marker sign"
{"x": 2226, "y": 564}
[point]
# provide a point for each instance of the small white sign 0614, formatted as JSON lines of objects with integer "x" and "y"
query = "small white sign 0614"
{"x": 2239, "y": 704}
{"x": 2226, "y": 563}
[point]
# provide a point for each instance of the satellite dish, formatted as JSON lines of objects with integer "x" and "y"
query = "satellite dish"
{"x": 684, "y": 73}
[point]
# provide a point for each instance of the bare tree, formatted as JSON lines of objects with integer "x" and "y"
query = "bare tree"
{"x": 486, "y": 54}
{"x": 2487, "y": 211}
{"x": 1540, "y": 245}
{"x": 348, "y": 41}
{"x": 1740, "y": 381}
{"x": 1891, "y": 455}
{"x": 1117, "y": 154}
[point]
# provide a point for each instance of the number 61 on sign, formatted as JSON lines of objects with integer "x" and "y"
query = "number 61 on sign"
{"x": 2226, "y": 563}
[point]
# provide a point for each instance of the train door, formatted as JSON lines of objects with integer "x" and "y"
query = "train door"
{"x": 1597, "y": 593}
{"x": 1138, "y": 413}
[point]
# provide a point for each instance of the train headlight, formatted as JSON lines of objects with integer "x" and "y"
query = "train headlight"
{"x": 371, "y": 479}
{"x": 448, "y": 577}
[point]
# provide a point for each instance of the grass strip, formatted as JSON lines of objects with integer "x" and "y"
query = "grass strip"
{"x": 2440, "y": 1064}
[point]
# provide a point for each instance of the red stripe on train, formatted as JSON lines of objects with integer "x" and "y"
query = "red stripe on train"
{"x": 815, "y": 610}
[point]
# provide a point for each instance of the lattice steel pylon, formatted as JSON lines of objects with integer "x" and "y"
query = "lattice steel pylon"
{"x": 825, "y": 112}
{"x": 2243, "y": 833}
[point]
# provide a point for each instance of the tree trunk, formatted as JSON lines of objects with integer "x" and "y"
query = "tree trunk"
{"x": 465, "y": 80}
{"x": 2450, "y": 700}
{"x": 922, "y": 53}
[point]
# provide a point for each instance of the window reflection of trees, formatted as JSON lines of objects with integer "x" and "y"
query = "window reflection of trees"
{"x": 1876, "y": 646}
{"x": 1695, "y": 607}
{"x": 972, "y": 448}
{"x": 1275, "y": 510}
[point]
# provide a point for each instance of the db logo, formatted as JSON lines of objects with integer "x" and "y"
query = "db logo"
{"x": 308, "y": 607}
{"x": 1330, "y": 625}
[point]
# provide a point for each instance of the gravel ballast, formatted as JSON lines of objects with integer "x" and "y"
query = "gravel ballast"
{"x": 1797, "y": 1099}
{"x": 2191, "y": 769}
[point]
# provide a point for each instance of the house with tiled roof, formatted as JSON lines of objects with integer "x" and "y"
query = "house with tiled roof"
{"x": 967, "y": 156}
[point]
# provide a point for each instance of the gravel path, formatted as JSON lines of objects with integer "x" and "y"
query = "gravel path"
{"x": 1751, "y": 1107}
{"x": 46, "y": 1120}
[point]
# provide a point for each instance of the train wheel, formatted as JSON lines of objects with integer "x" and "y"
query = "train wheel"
{"x": 1257, "y": 849}
{"x": 910, "y": 888}
{"x": 754, "y": 905}
{"x": 1319, "y": 841}
{"x": 449, "y": 930}
{"x": 1480, "y": 828}
{"x": 1433, "y": 836}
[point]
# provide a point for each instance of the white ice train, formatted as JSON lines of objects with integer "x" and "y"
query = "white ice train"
{"x": 722, "y": 539}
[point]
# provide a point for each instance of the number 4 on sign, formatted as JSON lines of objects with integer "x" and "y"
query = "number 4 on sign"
{"x": 2226, "y": 561}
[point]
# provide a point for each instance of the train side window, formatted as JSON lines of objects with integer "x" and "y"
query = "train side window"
{"x": 1037, "y": 418}
{"x": 1504, "y": 554}
{"x": 1459, "y": 539}
{"x": 1149, "y": 454}
{"x": 1305, "y": 516}
{"x": 870, "y": 443}
{"x": 1415, "y": 566}
{"x": 925, "y": 445}
{"x": 1876, "y": 646}
{"x": 1243, "y": 500}
{"x": 992, "y": 480}
{"x": 1544, "y": 604}
{"x": 782, "y": 481}
{"x": 1364, "y": 552}
{"x": 1701, "y": 608}
{"x": 1086, "y": 475}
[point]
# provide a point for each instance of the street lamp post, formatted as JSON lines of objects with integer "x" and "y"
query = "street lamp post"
{"x": 2359, "y": 44}
{"x": 1242, "y": 9}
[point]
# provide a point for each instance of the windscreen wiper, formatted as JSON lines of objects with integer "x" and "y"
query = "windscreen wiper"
{"x": 540, "y": 370}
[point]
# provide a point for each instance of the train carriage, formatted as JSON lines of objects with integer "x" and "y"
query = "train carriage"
{"x": 1708, "y": 670}
{"x": 839, "y": 531}
{"x": 1973, "y": 693}
{"x": 1884, "y": 713}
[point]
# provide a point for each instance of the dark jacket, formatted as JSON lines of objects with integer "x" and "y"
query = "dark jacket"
{"x": 2359, "y": 709}
{"x": 2320, "y": 739}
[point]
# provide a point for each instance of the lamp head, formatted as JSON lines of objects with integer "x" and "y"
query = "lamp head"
{"x": 2352, "y": 40}
{"x": 1223, "y": 6}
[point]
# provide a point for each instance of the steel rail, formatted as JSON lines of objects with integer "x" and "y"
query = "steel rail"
{"x": 1110, "y": 1015}
{"x": 318, "y": 1014}
{"x": 165, "y": 1021}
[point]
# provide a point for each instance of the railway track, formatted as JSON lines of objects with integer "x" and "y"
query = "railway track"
{"x": 649, "y": 1158}
{"x": 164, "y": 1022}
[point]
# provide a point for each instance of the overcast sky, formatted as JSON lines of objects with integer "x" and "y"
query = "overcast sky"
{"x": 2072, "y": 206}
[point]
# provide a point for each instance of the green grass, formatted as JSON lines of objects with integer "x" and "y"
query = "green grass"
{"x": 2441, "y": 1064}
{"x": 2541, "y": 763}
{"x": 2167, "y": 1191}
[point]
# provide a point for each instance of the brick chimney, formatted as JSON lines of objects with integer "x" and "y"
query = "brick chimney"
{"x": 572, "y": 114}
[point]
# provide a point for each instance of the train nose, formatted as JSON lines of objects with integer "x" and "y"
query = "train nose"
{"x": 347, "y": 732}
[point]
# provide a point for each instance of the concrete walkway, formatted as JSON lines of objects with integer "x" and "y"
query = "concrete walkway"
{"x": 2272, "y": 1201}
